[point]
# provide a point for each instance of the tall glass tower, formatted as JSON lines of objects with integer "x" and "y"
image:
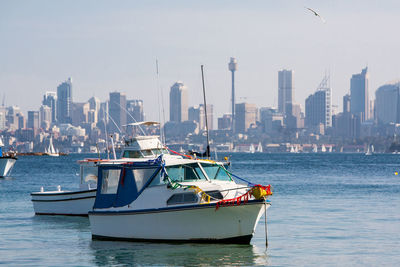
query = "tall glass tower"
{"x": 64, "y": 102}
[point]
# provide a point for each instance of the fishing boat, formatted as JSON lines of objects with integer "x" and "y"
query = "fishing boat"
{"x": 50, "y": 150}
{"x": 175, "y": 199}
{"x": 79, "y": 202}
{"x": 7, "y": 161}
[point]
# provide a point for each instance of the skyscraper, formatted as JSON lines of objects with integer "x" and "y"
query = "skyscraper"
{"x": 319, "y": 106}
{"x": 233, "y": 68}
{"x": 117, "y": 112}
{"x": 33, "y": 120}
{"x": 359, "y": 100}
{"x": 285, "y": 90}
{"x": 178, "y": 102}
{"x": 387, "y": 103}
{"x": 135, "y": 109}
{"x": 246, "y": 114}
{"x": 50, "y": 100}
{"x": 64, "y": 102}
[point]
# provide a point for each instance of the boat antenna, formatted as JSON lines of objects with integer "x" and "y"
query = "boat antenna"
{"x": 127, "y": 112}
{"x": 105, "y": 131}
{"x": 116, "y": 125}
{"x": 205, "y": 112}
{"x": 162, "y": 132}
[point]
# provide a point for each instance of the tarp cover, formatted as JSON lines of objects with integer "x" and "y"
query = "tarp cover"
{"x": 128, "y": 190}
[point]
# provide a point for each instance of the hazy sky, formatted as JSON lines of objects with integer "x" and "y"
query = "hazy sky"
{"x": 112, "y": 46}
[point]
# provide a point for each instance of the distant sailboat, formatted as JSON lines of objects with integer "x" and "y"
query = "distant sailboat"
{"x": 330, "y": 149}
{"x": 370, "y": 150}
{"x": 315, "y": 148}
{"x": 323, "y": 148}
{"x": 259, "y": 148}
{"x": 292, "y": 149}
{"x": 252, "y": 149}
{"x": 50, "y": 151}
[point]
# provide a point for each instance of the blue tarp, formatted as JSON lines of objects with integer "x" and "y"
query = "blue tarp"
{"x": 127, "y": 190}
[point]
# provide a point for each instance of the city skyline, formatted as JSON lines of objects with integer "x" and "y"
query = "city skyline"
{"x": 108, "y": 47}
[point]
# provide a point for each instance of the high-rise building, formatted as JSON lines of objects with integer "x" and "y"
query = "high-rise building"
{"x": 319, "y": 106}
{"x": 117, "y": 112}
{"x": 80, "y": 113}
{"x": 45, "y": 116}
{"x": 178, "y": 102}
{"x": 3, "y": 118}
{"x": 135, "y": 109}
{"x": 233, "y": 67}
{"x": 11, "y": 117}
{"x": 387, "y": 103}
{"x": 359, "y": 105}
{"x": 33, "y": 120}
{"x": 50, "y": 100}
{"x": 64, "y": 102}
{"x": 285, "y": 90}
{"x": 271, "y": 120}
{"x": 197, "y": 114}
{"x": 246, "y": 114}
{"x": 225, "y": 122}
{"x": 346, "y": 103}
{"x": 94, "y": 105}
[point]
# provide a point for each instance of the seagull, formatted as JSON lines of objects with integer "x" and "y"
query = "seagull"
{"x": 316, "y": 14}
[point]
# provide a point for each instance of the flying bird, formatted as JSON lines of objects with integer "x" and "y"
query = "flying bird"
{"x": 316, "y": 14}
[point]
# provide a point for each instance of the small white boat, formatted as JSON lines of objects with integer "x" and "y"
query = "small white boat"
{"x": 174, "y": 199}
{"x": 64, "y": 202}
{"x": 7, "y": 161}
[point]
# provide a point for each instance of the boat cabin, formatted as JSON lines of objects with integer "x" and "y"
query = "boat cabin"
{"x": 143, "y": 147}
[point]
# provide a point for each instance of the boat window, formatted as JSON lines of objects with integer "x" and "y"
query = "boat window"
{"x": 89, "y": 174}
{"x": 110, "y": 181}
{"x": 216, "y": 172}
{"x": 184, "y": 173}
{"x": 147, "y": 152}
{"x": 215, "y": 194}
{"x": 182, "y": 198}
{"x": 157, "y": 180}
{"x": 132, "y": 154}
{"x": 142, "y": 176}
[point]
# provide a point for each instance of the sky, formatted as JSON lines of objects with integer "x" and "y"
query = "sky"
{"x": 113, "y": 46}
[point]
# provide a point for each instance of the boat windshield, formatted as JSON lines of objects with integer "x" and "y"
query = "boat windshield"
{"x": 89, "y": 174}
{"x": 216, "y": 172}
{"x": 186, "y": 172}
{"x": 144, "y": 153}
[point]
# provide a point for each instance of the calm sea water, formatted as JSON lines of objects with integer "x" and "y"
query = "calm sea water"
{"x": 327, "y": 209}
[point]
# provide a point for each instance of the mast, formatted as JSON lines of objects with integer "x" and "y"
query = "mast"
{"x": 205, "y": 112}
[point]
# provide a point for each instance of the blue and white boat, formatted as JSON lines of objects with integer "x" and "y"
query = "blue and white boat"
{"x": 174, "y": 199}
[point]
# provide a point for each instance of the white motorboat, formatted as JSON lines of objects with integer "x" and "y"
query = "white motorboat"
{"x": 7, "y": 161}
{"x": 65, "y": 202}
{"x": 80, "y": 202}
{"x": 174, "y": 199}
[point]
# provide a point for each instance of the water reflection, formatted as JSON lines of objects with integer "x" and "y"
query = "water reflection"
{"x": 138, "y": 253}
{"x": 61, "y": 222}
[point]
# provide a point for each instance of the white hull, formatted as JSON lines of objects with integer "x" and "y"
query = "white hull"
{"x": 6, "y": 165}
{"x": 194, "y": 223}
{"x": 77, "y": 203}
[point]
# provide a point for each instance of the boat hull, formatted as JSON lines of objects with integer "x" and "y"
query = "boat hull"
{"x": 197, "y": 223}
{"x": 77, "y": 203}
{"x": 6, "y": 165}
